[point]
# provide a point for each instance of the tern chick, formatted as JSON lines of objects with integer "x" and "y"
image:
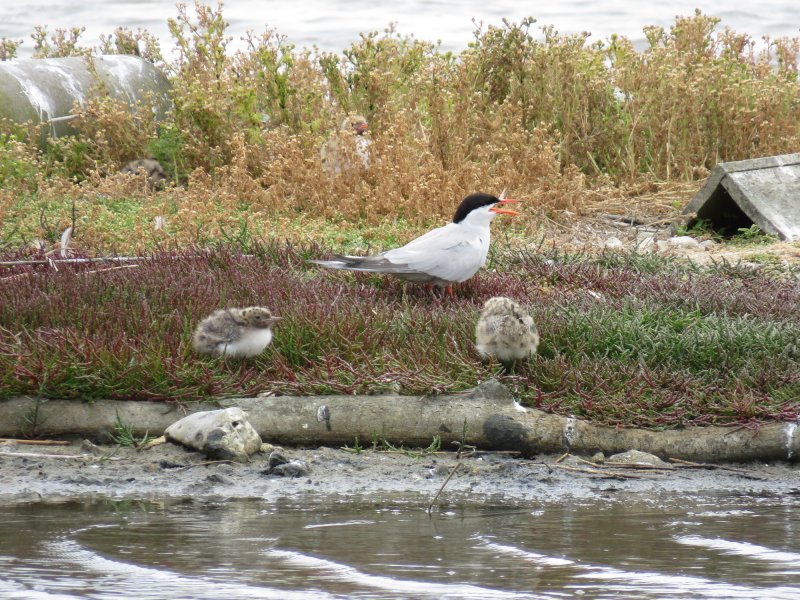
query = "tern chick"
{"x": 504, "y": 331}
{"x": 350, "y": 140}
{"x": 441, "y": 257}
{"x": 235, "y": 332}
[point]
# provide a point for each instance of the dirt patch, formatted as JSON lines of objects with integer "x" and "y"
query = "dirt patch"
{"x": 648, "y": 227}
{"x": 27, "y": 474}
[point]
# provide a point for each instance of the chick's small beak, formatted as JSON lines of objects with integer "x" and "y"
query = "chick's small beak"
{"x": 504, "y": 211}
{"x": 361, "y": 128}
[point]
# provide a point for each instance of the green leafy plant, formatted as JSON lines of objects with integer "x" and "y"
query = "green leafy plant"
{"x": 124, "y": 435}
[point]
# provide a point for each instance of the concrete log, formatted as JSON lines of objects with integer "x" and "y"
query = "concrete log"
{"x": 489, "y": 415}
{"x": 47, "y": 89}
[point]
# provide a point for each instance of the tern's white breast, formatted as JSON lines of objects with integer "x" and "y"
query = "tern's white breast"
{"x": 252, "y": 342}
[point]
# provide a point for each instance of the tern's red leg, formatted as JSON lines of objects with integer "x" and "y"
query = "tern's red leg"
{"x": 450, "y": 293}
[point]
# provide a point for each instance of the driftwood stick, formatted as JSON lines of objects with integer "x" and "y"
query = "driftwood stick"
{"x": 687, "y": 464}
{"x": 59, "y": 456}
{"x": 452, "y": 472}
{"x": 599, "y": 472}
{"x": 36, "y": 442}
{"x": 202, "y": 464}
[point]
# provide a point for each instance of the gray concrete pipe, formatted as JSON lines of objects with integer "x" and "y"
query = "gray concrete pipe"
{"x": 46, "y": 89}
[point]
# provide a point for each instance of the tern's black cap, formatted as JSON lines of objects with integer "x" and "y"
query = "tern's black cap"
{"x": 472, "y": 202}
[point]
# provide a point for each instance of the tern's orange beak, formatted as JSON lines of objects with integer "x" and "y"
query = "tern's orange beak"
{"x": 504, "y": 211}
{"x": 361, "y": 128}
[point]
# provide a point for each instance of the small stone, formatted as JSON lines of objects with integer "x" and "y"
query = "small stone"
{"x": 168, "y": 464}
{"x": 294, "y": 468}
{"x": 217, "y": 478}
{"x": 613, "y": 242}
{"x": 442, "y": 470}
{"x": 598, "y": 458}
{"x": 91, "y": 447}
{"x": 708, "y": 245}
{"x": 276, "y": 458}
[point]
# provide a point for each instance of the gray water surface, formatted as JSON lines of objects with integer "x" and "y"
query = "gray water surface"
{"x": 709, "y": 546}
{"x": 335, "y": 25}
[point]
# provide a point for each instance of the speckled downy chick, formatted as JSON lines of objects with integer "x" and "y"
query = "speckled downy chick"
{"x": 235, "y": 332}
{"x": 152, "y": 169}
{"x": 505, "y": 332}
{"x": 350, "y": 140}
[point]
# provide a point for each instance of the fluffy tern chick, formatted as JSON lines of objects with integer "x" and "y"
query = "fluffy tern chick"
{"x": 504, "y": 331}
{"x": 235, "y": 332}
{"x": 339, "y": 152}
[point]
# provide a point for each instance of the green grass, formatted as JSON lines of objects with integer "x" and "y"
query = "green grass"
{"x": 627, "y": 340}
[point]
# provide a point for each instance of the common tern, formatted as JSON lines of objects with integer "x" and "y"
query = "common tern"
{"x": 506, "y": 332}
{"x": 235, "y": 332}
{"x": 444, "y": 256}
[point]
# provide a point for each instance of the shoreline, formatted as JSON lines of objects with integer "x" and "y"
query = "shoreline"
{"x": 173, "y": 472}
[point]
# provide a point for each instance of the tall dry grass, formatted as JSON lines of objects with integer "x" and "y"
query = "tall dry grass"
{"x": 552, "y": 117}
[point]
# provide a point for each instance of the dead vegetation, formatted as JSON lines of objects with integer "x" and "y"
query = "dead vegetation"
{"x": 563, "y": 124}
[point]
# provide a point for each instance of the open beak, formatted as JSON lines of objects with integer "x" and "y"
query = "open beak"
{"x": 361, "y": 128}
{"x": 504, "y": 211}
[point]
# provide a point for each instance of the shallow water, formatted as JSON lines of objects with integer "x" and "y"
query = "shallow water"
{"x": 710, "y": 546}
{"x": 332, "y": 26}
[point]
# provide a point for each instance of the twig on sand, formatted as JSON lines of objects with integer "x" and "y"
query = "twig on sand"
{"x": 36, "y": 442}
{"x": 429, "y": 510}
{"x": 686, "y": 464}
{"x": 201, "y": 464}
{"x": 608, "y": 474}
{"x": 59, "y": 456}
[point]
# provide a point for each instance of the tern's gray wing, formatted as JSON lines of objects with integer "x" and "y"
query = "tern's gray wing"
{"x": 450, "y": 253}
{"x": 221, "y": 326}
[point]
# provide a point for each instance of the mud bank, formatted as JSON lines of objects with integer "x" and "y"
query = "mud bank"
{"x": 44, "y": 473}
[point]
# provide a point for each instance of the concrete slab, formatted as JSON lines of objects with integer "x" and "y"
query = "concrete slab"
{"x": 760, "y": 191}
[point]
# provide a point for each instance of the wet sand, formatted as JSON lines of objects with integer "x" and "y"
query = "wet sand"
{"x": 170, "y": 471}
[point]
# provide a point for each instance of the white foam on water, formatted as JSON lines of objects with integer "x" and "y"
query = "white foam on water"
{"x": 144, "y": 583}
{"x": 11, "y": 590}
{"x": 643, "y": 583}
{"x": 742, "y": 549}
{"x": 342, "y": 524}
{"x": 334, "y": 571}
{"x": 539, "y": 559}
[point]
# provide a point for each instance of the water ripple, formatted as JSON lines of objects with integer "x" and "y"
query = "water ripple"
{"x": 338, "y": 572}
{"x": 742, "y": 549}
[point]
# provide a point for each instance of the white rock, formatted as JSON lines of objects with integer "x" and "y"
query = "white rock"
{"x": 683, "y": 241}
{"x": 637, "y": 457}
{"x": 708, "y": 244}
{"x": 220, "y": 434}
{"x": 613, "y": 242}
